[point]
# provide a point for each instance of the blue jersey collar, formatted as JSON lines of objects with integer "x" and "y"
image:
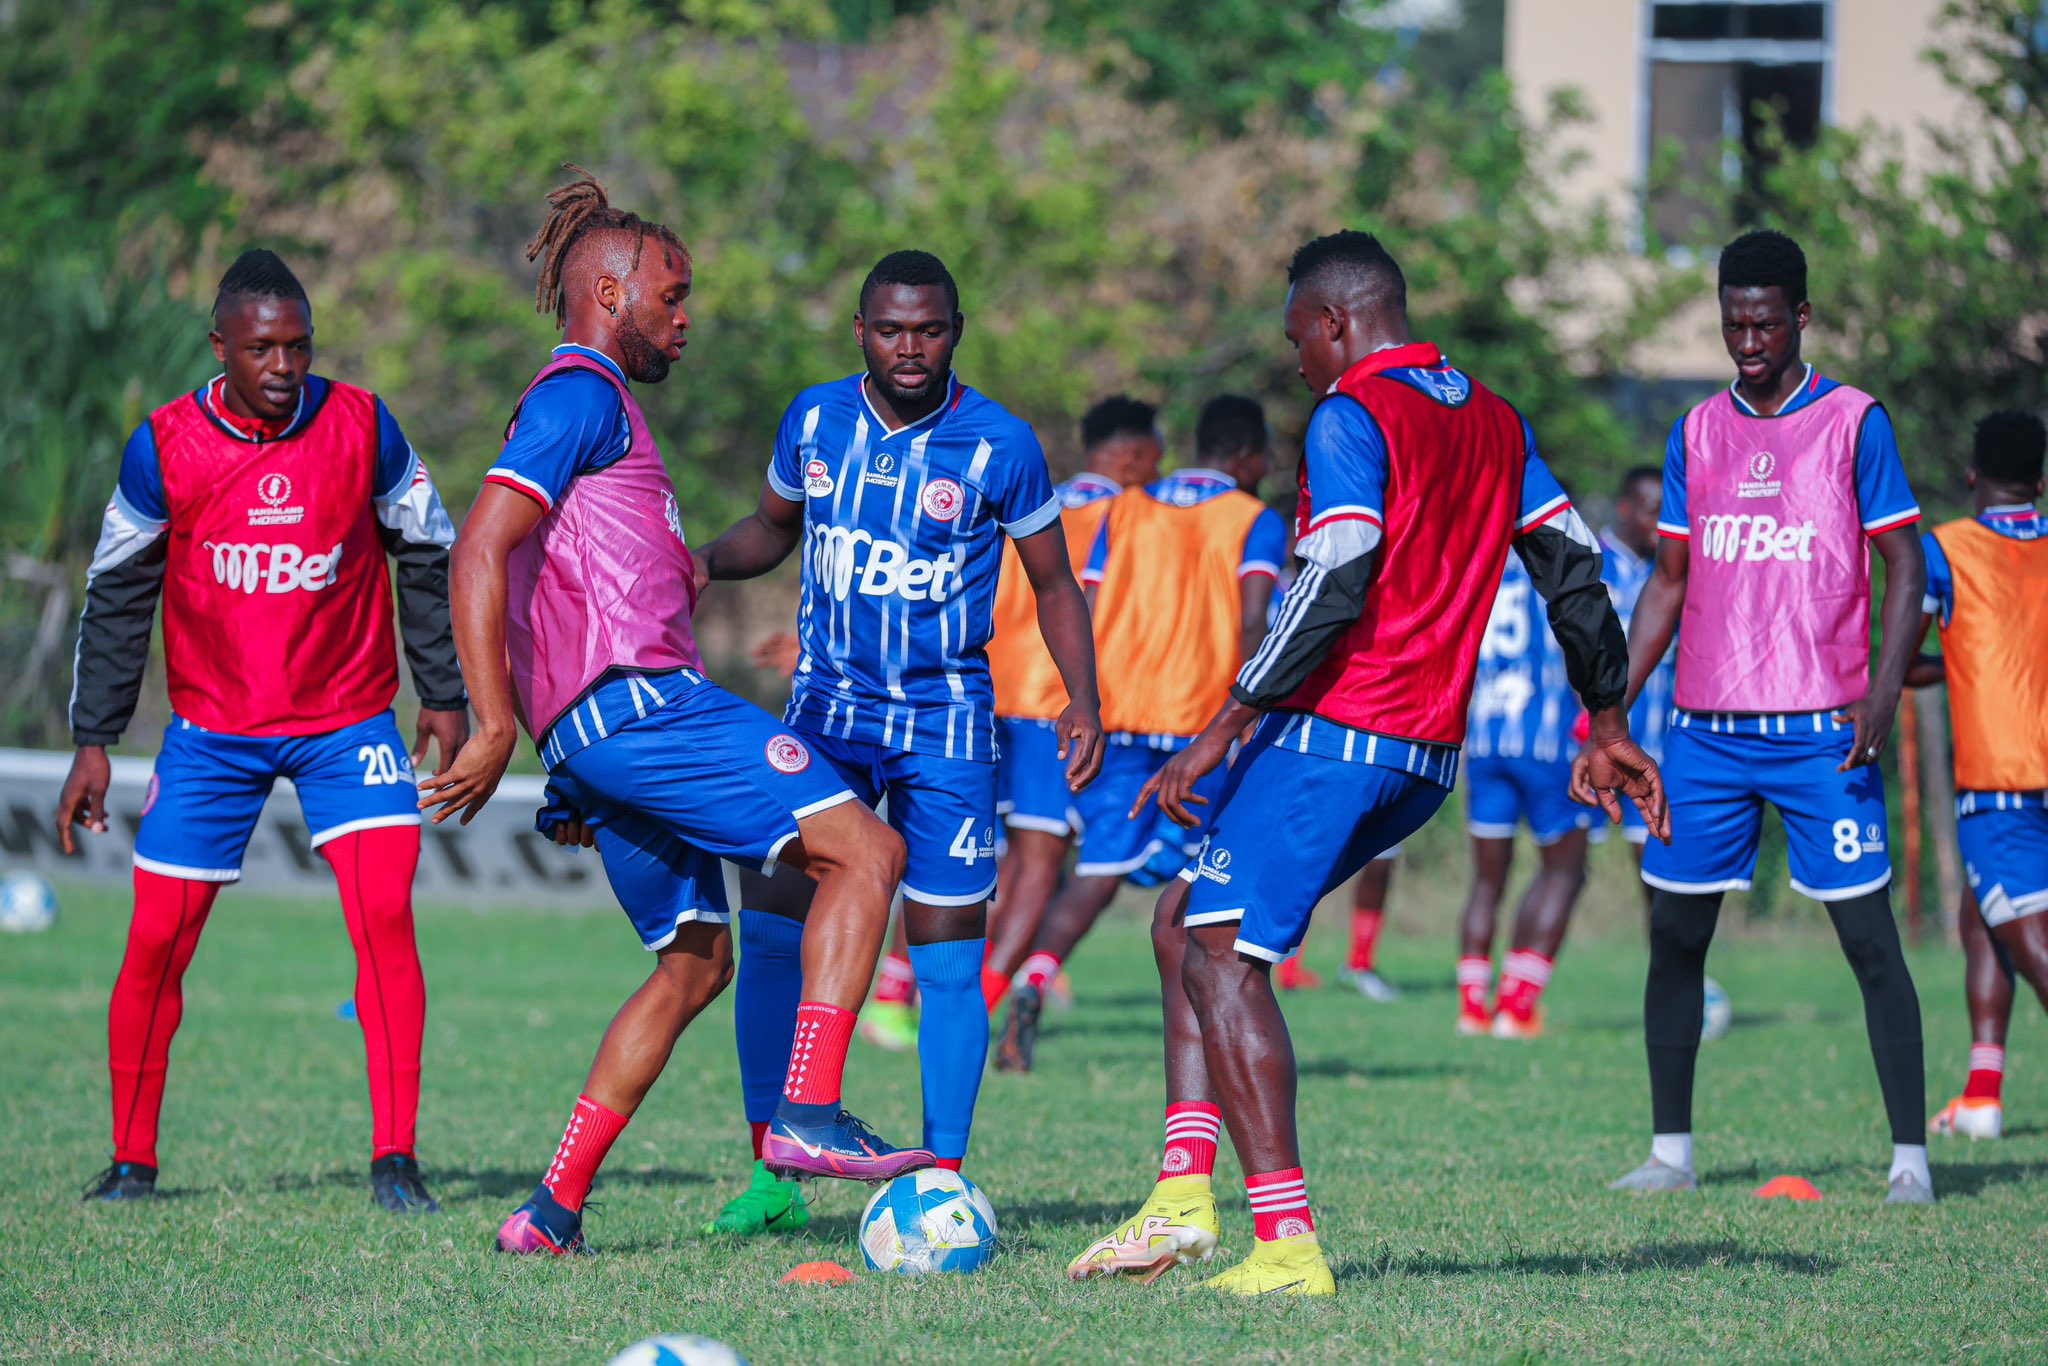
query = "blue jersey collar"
{"x": 1809, "y": 389}
{"x": 573, "y": 349}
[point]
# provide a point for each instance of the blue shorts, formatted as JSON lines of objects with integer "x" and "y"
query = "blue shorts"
{"x": 1290, "y": 828}
{"x": 1720, "y": 770}
{"x": 705, "y": 777}
{"x": 1633, "y": 828}
{"x": 1500, "y": 791}
{"x": 208, "y": 791}
{"x": 2005, "y": 848}
{"x": 1113, "y": 844}
{"x": 1031, "y": 780}
{"x": 945, "y": 809}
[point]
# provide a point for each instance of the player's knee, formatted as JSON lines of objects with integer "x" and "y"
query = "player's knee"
{"x": 1206, "y": 968}
{"x": 697, "y": 964}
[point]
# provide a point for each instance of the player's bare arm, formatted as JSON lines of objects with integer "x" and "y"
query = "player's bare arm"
{"x": 756, "y": 543}
{"x": 1905, "y": 586}
{"x": 1254, "y": 603}
{"x": 499, "y": 521}
{"x": 1070, "y": 638}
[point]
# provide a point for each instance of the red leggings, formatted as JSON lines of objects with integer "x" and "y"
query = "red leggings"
{"x": 374, "y": 870}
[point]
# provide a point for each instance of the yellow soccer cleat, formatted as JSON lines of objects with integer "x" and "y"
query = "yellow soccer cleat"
{"x": 1175, "y": 1226}
{"x": 1285, "y": 1266}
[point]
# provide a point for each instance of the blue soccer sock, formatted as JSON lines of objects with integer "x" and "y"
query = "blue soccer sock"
{"x": 769, "y": 982}
{"x": 952, "y": 1040}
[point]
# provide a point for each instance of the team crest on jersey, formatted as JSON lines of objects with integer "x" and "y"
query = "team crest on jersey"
{"x": 882, "y": 472}
{"x": 942, "y": 500}
{"x": 818, "y": 479}
{"x": 786, "y": 754}
{"x": 1763, "y": 481}
{"x": 274, "y": 491}
{"x": 1185, "y": 495}
{"x": 149, "y": 797}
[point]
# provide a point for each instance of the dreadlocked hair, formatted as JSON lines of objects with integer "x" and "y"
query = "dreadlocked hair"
{"x": 577, "y": 208}
{"x": 258, "y": 274}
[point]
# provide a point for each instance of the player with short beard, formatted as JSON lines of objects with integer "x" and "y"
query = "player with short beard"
{"x": 261, "y": 508}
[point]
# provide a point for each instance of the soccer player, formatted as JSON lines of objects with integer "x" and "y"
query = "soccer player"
{"x": 573, "y": 592}
{"x": 1359, "y": 692}
{"x": 1368, "y": 914}
{"x": 1120, "y": 439}
{"x": 1628, "y": 550}
{"x": 1987, "y": 585}
{"x": 261, "y": 508}
{"x": 901, "y": 484}
{"x": 1181, "y": 573}
{"x": 1774, "y": 490}
{"x": 1518, "y": 768}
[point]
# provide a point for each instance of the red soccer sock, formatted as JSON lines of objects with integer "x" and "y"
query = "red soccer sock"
{"x": 1192, "y": 1128}
{"x": 148, "y": 1002}
{"x": 1279, "y": 1205}
{"x": 897, "y": 981}
{"x": 1038, "y": 970}
{"x": 1987, "y": 1072}
{"x": 994, "y": 986}
{"x": 817, "y": 1056}
{"x": 759, "y": 1129}
{"x": 1475, "y": 979}
{"x": 591, "y": 1132}
{"x": 1522, "y": 980}
{"x": 949, "y": 1164}
{"x": 1365, "y": 937}
{"x": 374, "y": 869}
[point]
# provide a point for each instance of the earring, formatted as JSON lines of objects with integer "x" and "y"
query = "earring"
{"x": 614, "y": 310}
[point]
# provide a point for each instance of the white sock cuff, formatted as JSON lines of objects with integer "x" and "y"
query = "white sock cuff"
{"x": 1673, "y": 1150}
{"x": 1475, "y": 972}
{"x": 1987, "y": 1057}
{"x": 1910, "y": 1158}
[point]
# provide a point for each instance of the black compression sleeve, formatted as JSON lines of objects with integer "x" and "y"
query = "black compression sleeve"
{"x": 113, "y": 644}
{"x": 1320, "y": 606}
{"x": 423, "y": 621}
{"x": 1566, "y": 573}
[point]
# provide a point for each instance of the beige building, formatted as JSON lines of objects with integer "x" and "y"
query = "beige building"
{"x": 1677, "y": 85}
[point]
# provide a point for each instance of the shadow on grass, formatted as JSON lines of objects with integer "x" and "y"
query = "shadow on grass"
{"x": 453, "y": 1184}
{"x": 1971, "y": 1178}
{"x": 1683, "y": 1256}
{"x": 1803, "y": 1016}
{"x": 1391, "y": 1071}
{"x": 1027, "y": 1217}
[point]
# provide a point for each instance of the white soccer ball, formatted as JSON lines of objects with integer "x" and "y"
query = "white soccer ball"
{"x": 932, "y": 1220}
{"x": 27, "y": 904}
{"x": 679, "y": 1349}
{"x": 1717, "y": 1014}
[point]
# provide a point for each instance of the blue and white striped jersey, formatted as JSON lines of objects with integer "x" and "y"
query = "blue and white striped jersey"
{"x": 903, "y": 539}
{"x": 1625, "y": 573}
{"x": 1522, "y": 701}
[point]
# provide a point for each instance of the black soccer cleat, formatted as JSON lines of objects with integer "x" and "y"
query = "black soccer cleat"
{"x": 123, "y": 1181}
{"x": 396, "y": 1185}
{"x": 1020, "y": 1031}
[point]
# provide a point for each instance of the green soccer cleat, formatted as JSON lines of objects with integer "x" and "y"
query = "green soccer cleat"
{"x": 889, "y": 1024}
{"x": 768, "y": 1205}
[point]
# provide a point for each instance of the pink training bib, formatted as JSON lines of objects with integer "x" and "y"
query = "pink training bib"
{"x": 606, "y": 581}
{"x": 1777, "y": 607}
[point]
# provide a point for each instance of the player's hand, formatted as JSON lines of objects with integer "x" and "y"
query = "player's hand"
{"x": 1080, "y": 732}
{"x": 700, "y": 571}
{"x": 781, "y": 652}
{"x": 1872, "y": 716}
{"x": 1613, "y": 765}
{"x": 1174, "y": 783}
{"x": 465, "y": 785}
{"x": 449, "y": 729}
{"x": 573, "y": 832}
{"x": 84, "y": 798}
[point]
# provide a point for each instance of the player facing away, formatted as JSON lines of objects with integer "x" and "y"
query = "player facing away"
{"x": 1180, "y": 576}
{"x": 1987, "y": 585}
{"x": 901, "y": 484}
{"x": 1628, "y": 550}
{"x": 1518, "y": 769}
{"x": 261, "y": 508}
{"x": 1773, "y": 491}
{"x": 1121, "y": 445}
{"x": 573, "y": 593}
{"x": 1360, "y": 693}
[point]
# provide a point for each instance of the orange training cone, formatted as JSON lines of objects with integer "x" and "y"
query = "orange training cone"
{"x": 1787, "y": 1188}
{"x": 818, "y": 1273}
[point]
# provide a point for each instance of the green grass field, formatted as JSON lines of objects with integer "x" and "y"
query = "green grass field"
{"x": 1457, "y": 1182}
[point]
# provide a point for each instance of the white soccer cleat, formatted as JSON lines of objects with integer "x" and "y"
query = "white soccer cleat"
{"x": 1969, "y": 1117}
{"x": 1655, "y": 1176}
{"x": 1369, "y": 984}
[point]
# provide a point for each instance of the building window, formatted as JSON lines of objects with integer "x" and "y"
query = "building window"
{"x": 1717, "y": 75}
